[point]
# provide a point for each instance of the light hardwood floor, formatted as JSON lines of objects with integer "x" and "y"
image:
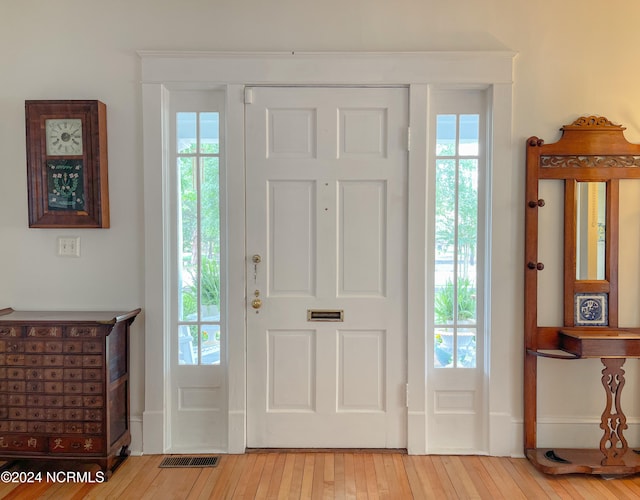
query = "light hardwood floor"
{"x": 359, "y": 475}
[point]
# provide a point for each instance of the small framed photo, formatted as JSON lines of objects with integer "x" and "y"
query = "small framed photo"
{"x": 67, "y": 164}
{"x": 591, "y": 309}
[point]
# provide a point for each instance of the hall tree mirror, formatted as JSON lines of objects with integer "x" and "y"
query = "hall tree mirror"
{"x": 591, "y": 210}
{"x": 581, "y": 286}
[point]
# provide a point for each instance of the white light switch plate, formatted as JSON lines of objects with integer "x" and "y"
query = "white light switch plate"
{"x": 69, "y": 246}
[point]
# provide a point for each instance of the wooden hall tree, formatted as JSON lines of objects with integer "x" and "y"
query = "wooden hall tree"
{"x": 591, "y": 159}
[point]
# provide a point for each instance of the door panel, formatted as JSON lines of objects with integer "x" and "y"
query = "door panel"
{"x": 326, "y": 212}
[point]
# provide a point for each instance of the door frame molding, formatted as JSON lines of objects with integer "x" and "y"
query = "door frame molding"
{"x": 162, "y": 71}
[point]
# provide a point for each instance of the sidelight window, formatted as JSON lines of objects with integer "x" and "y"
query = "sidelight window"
{"x": 456, "y": 270}
{"x": 198, "y": 226}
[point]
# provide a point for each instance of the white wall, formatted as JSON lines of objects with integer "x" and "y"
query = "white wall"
{"x": 576, "y": 57}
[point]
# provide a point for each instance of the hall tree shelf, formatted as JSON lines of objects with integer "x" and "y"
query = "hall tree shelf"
{"x": 64, "y": 387}
{"x": 591, "y": 159}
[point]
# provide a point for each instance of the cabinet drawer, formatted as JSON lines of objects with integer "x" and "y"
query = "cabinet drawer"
{"x": 17, "y": 412}
{"x": 93, "y": 428}
{"x": 73, "y": 401}
{"x": 53, "y": 360}
{"x": 72, "y": 414}
{"x": 73, "y": 374}
{"x": 10, "y": 331}
{"x": 52, "y": 414}
{"x": 72, "y": 387}
{"x": 53, "y": 401}
{"x": 53, "y": 347}
{"x": 90, "y": 361}
{"x": 53, "y": 387}
{"x": 54, "y": 427}
{"x": 15, "y": 386}
{"x": 18, "y": 426}
{"x": 91, "y": 374}
{"x": 53, "y": 374}
{"x": 72, "y": 361}
{"x": 94, "y": 415}
{"x": 83, "y": 331}
{"x": 92, "y": 347}
{"x": 22, "y": 443}
{"x": 34, "y": 374}
{"x": 44, "y": 331}
{"x": 35, "y": 414}
{"x": 33, "y": 359}
{"x": 35, "y": 400}
{"x": 80, "y": 444}
{"x": 93, "y": 401}
{"x": 34, "y": 386}
{"x": 34, "y": 347}
{"x": 15, "y": 373}
{"x": 36, "y": 426}
{"x": 17, "y": 400}
{"x": 73, "y": 427}
{"x": 15, "y": 346}
{"x": 72, "y": 347}
{"x": 92, "y": 388}
{"x": 15, "y": 359}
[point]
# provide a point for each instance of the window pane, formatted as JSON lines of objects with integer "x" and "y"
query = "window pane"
{"x": 209, "y": 133}
{"x": 469, "y": 135}
{"x": 445, "y": 240}
{"x": 210, "y": 341}
{"x": 187, "y": 230}
{"x": 188, "y": 345}
{"x": 446, "y": 135}
{"x": 186, "y": 132}
{"x": 210, "y": 235}
{"x": 466, "y": 340}
{"x": 443, "y": 347}
{"x": 467, "y": 239}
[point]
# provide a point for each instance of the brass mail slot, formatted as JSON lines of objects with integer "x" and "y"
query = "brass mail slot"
{"x": 325, "y": 315}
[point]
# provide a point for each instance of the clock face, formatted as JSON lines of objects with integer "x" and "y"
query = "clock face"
{"x": 64, "y": 136}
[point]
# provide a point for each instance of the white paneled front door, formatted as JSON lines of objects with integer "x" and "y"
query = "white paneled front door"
{"x": 327, "y": 222}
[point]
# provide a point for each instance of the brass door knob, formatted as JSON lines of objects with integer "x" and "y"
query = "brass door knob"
{"x": 256, "y": 303}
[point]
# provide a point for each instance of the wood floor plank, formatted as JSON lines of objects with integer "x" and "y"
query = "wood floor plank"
{"x": 317, "y": 483}
{"x": 307, "y": 475}
{"x": 528, "y": 485}
{"x": 349, "y": 476}
{"x": 360, "y": 476}
{"x": 506, "y": 484}
{"x": 381, "y": 477}
{"x": 287, "y": 477}
{"x": 328, "y": 476}
{"x": 264, "y": 482}
{"x": 440, "y": 475}
{"x": 250, "y": 479}
{"x": 338, "y": 477}
{"x": 370, "y": 476}
{"x": 527, "y": 472}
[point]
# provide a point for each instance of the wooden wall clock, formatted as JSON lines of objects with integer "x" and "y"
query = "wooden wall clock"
{"x": 67, "y": 164}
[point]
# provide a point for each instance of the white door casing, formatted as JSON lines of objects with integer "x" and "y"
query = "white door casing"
{"x": 163, "y": 71}
{"x": 326, "y": 212}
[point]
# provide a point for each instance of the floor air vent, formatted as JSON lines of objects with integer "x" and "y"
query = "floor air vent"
{"x": 184, "y": 461}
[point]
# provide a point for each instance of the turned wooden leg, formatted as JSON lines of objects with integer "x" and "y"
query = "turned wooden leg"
{"x": 613, "y": 444}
